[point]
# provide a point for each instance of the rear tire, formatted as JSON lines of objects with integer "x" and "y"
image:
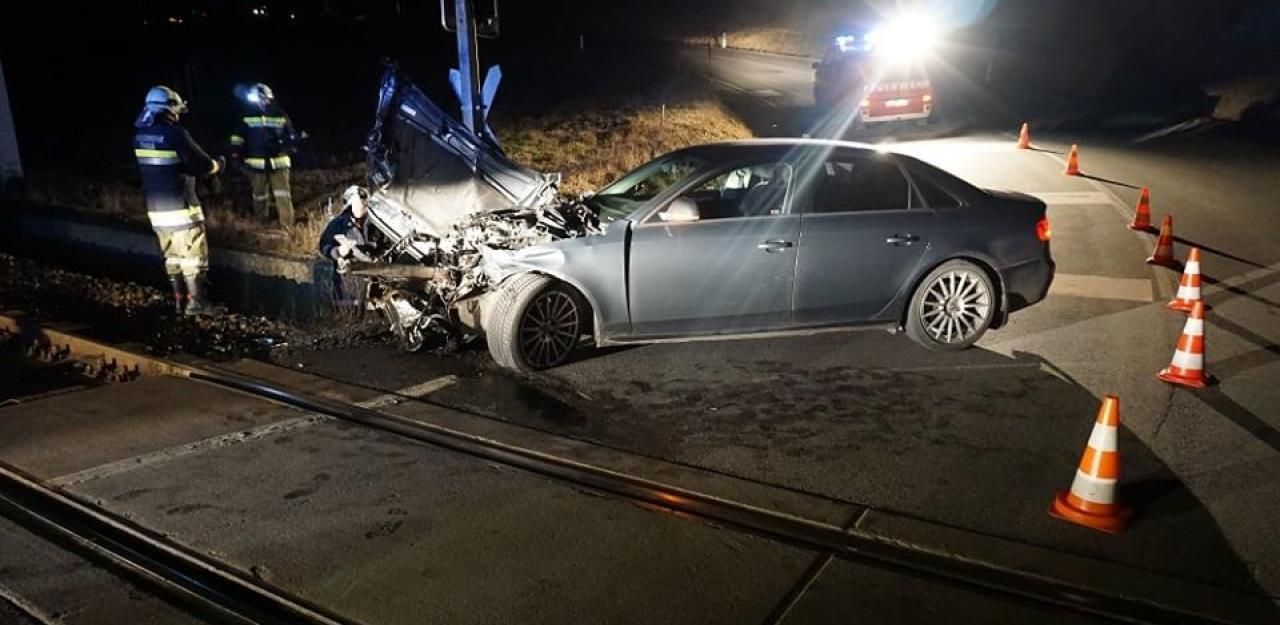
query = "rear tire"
{"x": 536, "y": 323}
{"x": 952, "y": 308}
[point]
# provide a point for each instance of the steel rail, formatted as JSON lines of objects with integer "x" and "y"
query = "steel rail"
{"x": 849, "y": 544}
{"x": 210, "y": 590}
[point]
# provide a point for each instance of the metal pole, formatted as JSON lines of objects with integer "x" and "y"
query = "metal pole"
{"x": 468, "y": 66}
{"x": 10, "y": 163}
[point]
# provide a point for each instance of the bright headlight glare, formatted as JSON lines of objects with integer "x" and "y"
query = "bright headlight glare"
{"x": 910, "y": 37}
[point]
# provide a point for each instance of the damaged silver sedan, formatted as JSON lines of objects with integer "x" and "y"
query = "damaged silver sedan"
{"x": 711, "y": 241}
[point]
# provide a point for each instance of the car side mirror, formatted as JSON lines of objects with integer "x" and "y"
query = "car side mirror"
{"x": 815, "y": 65}
{"x": 680, "y": 210}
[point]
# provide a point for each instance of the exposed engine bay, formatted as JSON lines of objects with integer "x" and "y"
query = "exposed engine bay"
{"x": 449, "y": 204}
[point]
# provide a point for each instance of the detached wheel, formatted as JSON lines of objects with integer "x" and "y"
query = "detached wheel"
{"x": 952, "y": 308}
{"x": 536, "y": 323}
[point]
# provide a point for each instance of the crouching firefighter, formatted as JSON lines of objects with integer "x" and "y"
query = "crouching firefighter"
{"x": 264, "y": 139}
{"x": 170, "y": 161}
{"x": 349, "y": 237}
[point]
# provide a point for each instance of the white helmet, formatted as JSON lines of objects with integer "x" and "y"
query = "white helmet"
{"x": 166, "y": 100}
{"x": 259, "y": 94}
{"x": 351, "y": 193}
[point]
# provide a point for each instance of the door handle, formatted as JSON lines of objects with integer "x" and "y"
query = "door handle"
{"x": 902, "y": 240}
{"x": 774, "y": 246}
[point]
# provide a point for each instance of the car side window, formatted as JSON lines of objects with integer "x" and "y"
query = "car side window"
{"x": 935, "y": 196}
{"x": 856, "y": 184}
{"x": 753, "y": 190}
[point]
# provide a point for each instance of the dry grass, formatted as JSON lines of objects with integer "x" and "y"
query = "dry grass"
{"x": 1239, "y": 95}
{"x": 591, "y": 141}
{"x": 225, "y": 206}
{"x": 595, "y": 147}
{"x": 775, "y": 40}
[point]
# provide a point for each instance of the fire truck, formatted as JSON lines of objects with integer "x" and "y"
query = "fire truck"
{"x": 881, "y": 71}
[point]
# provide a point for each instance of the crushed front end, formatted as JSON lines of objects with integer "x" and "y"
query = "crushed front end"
{"x": 443, "y": 197}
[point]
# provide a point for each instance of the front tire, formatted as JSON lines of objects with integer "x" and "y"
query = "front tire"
{"x": 952, "y": 308}
{"x": 536, "y": 323}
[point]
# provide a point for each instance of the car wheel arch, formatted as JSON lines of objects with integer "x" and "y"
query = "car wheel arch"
{"x": 596, "y": 323}
{"x": 997, "y": 281}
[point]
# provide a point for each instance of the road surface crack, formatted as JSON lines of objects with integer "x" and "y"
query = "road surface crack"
{"x": 1164, "y": 416}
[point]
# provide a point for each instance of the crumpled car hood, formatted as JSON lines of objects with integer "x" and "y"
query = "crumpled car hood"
{"x": 428, "y": 171}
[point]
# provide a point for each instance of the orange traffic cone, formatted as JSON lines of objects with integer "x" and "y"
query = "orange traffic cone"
{"x": 1163, "y": 254}
{"x": 1189, "y": 285}
{"x": 1024, "y": 137}
{"x": 1142, "y": 216}
{"x": 1073, "y": 161}
{"x": 1091, "y": 502}
{"x": 1187, "y": 367}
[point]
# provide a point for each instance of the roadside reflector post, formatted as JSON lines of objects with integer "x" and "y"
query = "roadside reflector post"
{"x": 10, "y": 162}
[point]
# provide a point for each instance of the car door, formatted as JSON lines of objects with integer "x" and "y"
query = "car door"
{"x": 862, "y": 239}
{"x": 730, "y": 270}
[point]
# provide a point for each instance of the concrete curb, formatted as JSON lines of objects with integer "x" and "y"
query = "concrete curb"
{"x": 295, "y": 290}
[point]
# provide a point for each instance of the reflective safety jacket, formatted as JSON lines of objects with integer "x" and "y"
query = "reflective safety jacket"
{"x": 264, "y": 139}
{"x": 359, "y": 231}
{"x": 169, "y": 161}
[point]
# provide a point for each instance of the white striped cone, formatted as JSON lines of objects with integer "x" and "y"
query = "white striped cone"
{"x": 1189, "y": 284}
{"x": 1163, "y": 253}
{"x": 1091, "y": 502}
{"x": 1187, "y": 367}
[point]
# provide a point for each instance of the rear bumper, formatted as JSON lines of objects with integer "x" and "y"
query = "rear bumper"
{"x": 1027, "y": 283}
{"x": 879, "y": 111}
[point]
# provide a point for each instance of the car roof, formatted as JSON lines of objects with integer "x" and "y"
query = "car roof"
{"x": 784, "y": 143}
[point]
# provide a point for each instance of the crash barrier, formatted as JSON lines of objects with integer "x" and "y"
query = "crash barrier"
{"x": 286, "y": 289}
{"x": 1091, "y": 500}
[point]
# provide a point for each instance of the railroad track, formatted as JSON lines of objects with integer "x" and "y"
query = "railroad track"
{"x": 230, "y": 595}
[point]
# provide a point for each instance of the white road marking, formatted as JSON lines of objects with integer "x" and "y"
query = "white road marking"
{"x": 186, "y": 449}
{"x": 243, "y": 436}
{"x": 1165, "y": 282}
{"x": 415, "y": 391}
{"x": 1102, "y": 287}
{"x": 1074, "y": 198}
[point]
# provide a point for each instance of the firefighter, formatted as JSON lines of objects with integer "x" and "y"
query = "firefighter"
{"x": 263, "y": 141}
{"x": 347, "y": 237}
{"x": 170, "y": 161}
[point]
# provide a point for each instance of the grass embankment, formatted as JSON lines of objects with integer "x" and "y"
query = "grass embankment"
{"x": 593, "y": 143}
{"x": 775, "y": 40}
{"x": 225, "y": 202}
{"x": 590, "y": 143}
{"x": 595, "y": 117}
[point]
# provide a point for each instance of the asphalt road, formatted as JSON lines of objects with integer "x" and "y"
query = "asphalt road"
{"x": 982, "y": 439}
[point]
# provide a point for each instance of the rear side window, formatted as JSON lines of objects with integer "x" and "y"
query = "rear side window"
{"x": 934, "y": 195}
{"x": 858, "y": 184}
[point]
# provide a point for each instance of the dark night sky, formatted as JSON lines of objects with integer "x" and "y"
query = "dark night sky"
{"x": 84, "y": 67}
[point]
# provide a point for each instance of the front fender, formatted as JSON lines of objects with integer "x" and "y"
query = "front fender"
{"x": 502, "y": 265}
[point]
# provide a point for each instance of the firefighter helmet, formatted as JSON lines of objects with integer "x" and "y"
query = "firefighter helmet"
{"x": 260, "y": 94}
{"x": 163, "y": 99}
{"x": 353, "y": 192}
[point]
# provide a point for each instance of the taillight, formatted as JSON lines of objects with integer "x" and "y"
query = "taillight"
{"x": 927, "y": 98}
{"x": 865, "y": 103}
{"x": 1042, "y": 229}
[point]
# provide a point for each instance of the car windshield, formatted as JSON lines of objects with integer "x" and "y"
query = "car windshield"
{"x": 624, "y": 196}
